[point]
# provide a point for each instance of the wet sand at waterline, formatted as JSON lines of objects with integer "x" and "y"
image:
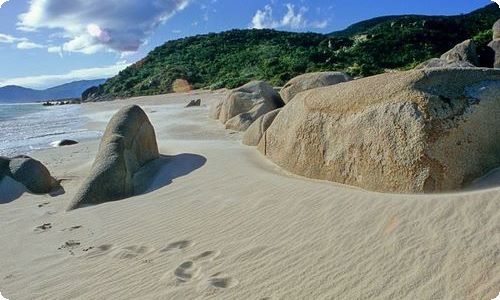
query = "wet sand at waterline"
{"x": 221, "y": 221}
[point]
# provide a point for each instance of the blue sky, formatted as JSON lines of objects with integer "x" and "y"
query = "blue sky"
{"x": 48, "y": 42}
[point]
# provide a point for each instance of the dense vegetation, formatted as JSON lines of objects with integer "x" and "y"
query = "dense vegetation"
{"x": 232, "y": 58}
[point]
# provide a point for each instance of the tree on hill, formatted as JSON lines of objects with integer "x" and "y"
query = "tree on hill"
{"x": 232, "y": 58}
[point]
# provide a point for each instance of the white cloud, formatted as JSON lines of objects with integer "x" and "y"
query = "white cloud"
{"x": 497, "y": 2}
{"x": 293, "y": 18}
{"x": 28, "y": 45}
{"x": 319, "y": 24}
{"x": 9, "y": 39}
{"x": 90, "y": 26}
{"x": 2, "y": 2}
{"x": 55, "y": 49}
{"x": 264, "y": 19}
{"x": 44, "y": 81}
{"x": 22, "y": 43}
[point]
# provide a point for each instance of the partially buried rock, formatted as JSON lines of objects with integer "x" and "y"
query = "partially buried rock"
{"x": 129, "y": 143}
{"x": 247, "y": 103}
{"x": 412, "y": 132}
{"x": 32, "y": 174}
{"x": 193, "y": 103}
{"x": 255, "y": 132}
{"x": 311, "y": 81}
{"x": 63, "y": 143}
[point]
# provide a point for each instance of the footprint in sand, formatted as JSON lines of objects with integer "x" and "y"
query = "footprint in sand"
{"x": 206, "y": 256}
{"x": 99, "y": 251}
{"x": 43, "y": 227}
{"x": 72, "y": 228}
{"x": 177, "y": 246}
{"x": 131, "y": 252}
{"x": 70, "y": 246}
{"x": 186, "y": 271}
{"x": 220, "y": 281}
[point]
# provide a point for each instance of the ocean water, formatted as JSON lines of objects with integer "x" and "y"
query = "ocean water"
{"x": 28, "y": 127}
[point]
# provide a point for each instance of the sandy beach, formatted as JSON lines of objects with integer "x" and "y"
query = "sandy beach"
{"x": 220, "y": 221}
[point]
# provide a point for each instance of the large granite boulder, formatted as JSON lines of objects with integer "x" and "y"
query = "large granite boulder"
{"x": 465, "y": 51}
{"x": 411, "y": 132}
{"x": 32, "y": 174}
{"x": 496, "y": 30}
{"x": 495, "y": 44}
{"x": 441, "y": 63}
{"x": 247, "y": 103}
{"x": 463, "y": 55}
{"x": 129, "y": 143}
{"x": 255, "y": 132}
{"x": 311, "y": 81}
{"x": 215, "y": 108}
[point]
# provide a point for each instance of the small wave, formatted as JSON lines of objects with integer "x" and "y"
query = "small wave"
{"x": 26, "y": 128}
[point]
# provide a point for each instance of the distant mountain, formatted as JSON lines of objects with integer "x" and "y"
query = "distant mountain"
{"x": 232, "y": 58}
{"x": 18, "y": 94}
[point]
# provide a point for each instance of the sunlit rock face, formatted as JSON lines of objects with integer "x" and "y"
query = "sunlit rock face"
{"x": 407, "y": 132}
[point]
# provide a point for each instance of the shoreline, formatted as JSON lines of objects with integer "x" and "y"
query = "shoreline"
{"x": 242, "y": 227}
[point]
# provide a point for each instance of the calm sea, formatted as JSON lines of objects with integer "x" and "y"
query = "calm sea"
{"x": 28, "y": 127}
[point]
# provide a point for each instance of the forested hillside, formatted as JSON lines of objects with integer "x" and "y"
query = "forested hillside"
{"x": 232, "y": 58}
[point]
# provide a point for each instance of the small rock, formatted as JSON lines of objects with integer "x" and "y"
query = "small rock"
{"x": 194, "y": 103}
{"x": 66, "y": 143}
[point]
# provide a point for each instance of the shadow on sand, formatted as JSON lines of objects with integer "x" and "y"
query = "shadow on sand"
{"x": 11, "y": 190}
{"x": 161, "y": 172}
{"x": 153, "y": 176}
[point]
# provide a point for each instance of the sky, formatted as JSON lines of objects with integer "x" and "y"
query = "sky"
{"x": 44, "y": 43}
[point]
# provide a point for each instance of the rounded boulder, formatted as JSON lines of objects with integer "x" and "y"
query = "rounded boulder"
{"x": 418, "y": 131}
{"x": 254, "y": 133}
{"x": 32, "y": 174}
{"x": 311, "y": 81}
{"x": 128, "y": 143}
{"x": 246, "y": 104}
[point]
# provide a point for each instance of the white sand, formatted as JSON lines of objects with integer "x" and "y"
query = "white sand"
{"x": 225, "y": 223}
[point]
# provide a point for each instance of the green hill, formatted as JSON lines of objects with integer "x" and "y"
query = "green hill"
{"x": 232, "y": 58}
